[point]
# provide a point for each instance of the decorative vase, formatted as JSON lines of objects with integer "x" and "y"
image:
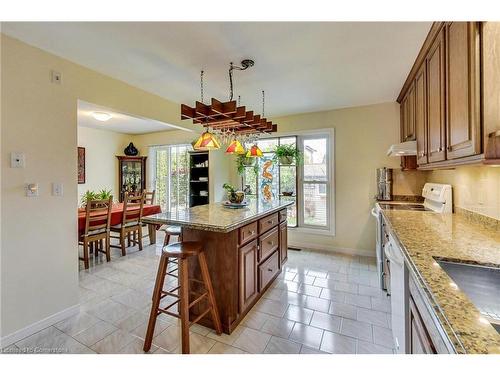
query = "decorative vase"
{"x": 131, "y": 150}
{"x": 286, "y": 160}
{"x": 236, "y": 196}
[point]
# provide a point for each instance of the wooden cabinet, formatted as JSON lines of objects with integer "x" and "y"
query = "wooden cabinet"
{"x": 441, "y": 98}
{"x": 421, "y": 114}
{"x": 268, "y": 270}
{"x": 131, "y": 174}
{"x": 420, "y": 342}
{"x": 283, "y": 242}
{"x": 436, "y": 100}
{"x": 408, "y": 116}
{"x": 268, "y": 243}
{"x": 248, "y": 233}
{"x": 463, "y": 123}
{"x": 248, "y": 274}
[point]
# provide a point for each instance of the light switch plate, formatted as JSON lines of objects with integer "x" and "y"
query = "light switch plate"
{"x": 57, "y": 189}
{"x": 17, "y": 160}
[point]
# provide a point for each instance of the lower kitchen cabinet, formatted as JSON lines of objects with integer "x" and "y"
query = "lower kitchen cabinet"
{"x": 248, "y": 274}
{"x": 420, "y": 342}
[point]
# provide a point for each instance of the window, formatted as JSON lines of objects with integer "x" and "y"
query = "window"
{"x": 169, "y": 176}
{"x": 308, "y": 185}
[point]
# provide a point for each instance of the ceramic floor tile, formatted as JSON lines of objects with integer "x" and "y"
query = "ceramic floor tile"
{"x": 309, "y": 280}
{"x": 356, "y": 329}
{"x": 344, "y": 310}
{"x": 317, "y": 304}
{"x": 133, "y": 298}
{"x": 309, "y": 290}
{"x": 358, "y": 300}
{"x": 383, "y": 336}
{"x": 136, "y": 347}
{"x": 338, "y": 344}
{"x": 255, "y": 320}
{"x": 286, "y": 285}
{"x": 371, "y": 291}
{"x": 113, "y": 343}
{"x": 227, "y": 339}
{"x": 220, "y": 348}
{"x": 51, "y": 341}
{"x": 307, "y": 335}
{"x": 252, "y": 341}
{"x": 160, "y": 326}
{"x": 299, "y": 314}
{"x": 326, "y": 321}
{"x": 345, "y": 287}
{"x": 77, "y": 323}
{"x": 168, "y": 339}
{"x": 198, "y": 344}
{"x": 271, "y": 307}
{"x": 279, "y": 345}
{"x": 307, "y": 350}
{"x": 333, "y": 295}
{"x": 365, "y": 347}
{"x": 278, "y": 327}
{"x": 381, "y": 304}
{"x": 95, "y": 333}
{"x": 133, "y": 321}
{"x": 374, "y": 317}
{"x": 317, "y": 273}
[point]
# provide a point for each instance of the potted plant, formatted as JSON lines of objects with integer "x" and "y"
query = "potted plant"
{"x": 286, "y": 154}
{"x": 233, "y": 195}
{"x": 242, "y": 161}
{"x": 89, "y": 195}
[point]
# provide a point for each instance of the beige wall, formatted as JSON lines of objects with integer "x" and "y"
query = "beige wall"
{"x": 475, "y": 188}
{"x": 39, "y": 261}
{"x": 362, "y": 137}
{"x": 101, "y": 164}
{"x": 408, "y": 182}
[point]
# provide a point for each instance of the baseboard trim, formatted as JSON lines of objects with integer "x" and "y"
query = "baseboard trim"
{"x": 38, "y": 326}
{"x": 332, "y": 249}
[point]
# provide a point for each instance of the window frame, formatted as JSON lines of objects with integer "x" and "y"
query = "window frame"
{"x": 329, "y": 133}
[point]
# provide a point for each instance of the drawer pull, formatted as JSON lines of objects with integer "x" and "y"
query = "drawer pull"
{"x": 251, "y": 233}
{"x": 270, "y": 270}
{"x": 271, "y": 243}
{"x": 270, "y": 221}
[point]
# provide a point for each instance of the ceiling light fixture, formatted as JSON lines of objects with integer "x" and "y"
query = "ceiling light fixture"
{"x": 101, "y": 116}
{"x": 235, "y": 148}
{"x": 228, "y": 120}
{"x": 207, "y": 141}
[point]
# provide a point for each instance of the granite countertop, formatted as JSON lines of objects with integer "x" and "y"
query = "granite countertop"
{"x": 215, "y": 217}
{"x": 428, "y": 236}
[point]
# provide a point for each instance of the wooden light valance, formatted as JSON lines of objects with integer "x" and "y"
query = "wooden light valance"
{"x": 227, "y": 116}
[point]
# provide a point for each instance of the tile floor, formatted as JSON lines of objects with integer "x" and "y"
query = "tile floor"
{"x": 320, "y": 303}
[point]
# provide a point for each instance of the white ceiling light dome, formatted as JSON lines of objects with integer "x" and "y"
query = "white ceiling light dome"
{"x": 101, "y": 116}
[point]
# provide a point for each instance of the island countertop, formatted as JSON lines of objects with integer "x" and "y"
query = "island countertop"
{"x": 215, "y": 217}
{"x": 426, "y": 237}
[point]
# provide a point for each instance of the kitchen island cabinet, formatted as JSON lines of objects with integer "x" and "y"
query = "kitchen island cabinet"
{"x": 245, "y": 249}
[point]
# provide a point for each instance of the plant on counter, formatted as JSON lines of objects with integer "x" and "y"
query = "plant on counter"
{"x": 242, "y": 161}
{"x": 233, "y": 195}
{"x": 287, "y": 153}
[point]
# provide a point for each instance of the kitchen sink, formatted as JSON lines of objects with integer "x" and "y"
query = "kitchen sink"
{"x": 481, "y": 284}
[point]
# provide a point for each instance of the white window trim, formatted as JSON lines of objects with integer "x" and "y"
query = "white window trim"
{"x": 330, "y": 231}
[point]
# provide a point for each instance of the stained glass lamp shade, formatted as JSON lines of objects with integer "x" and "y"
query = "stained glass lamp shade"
{"x": 207, "y": 141}
{"x": 235, "y": 148}
{"x": 254, "y": 152}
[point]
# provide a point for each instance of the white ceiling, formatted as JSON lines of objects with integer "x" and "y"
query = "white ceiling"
{"x": 302, "y": 66}
{"x": 119, "y": 122}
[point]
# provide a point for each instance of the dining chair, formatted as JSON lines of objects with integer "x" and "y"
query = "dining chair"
{"x": 131, "y": 222}
{"x": 97, "y": 227}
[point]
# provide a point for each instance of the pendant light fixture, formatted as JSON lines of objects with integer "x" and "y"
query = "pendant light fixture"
{"x": 235, "y": 148}
{"x": 207, "y": 140}
{"x": 254, "y": 152}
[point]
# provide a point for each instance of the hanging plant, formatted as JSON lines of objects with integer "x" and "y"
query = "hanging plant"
{"x": 242, "y": 161}
{"x": 286, "y": 154}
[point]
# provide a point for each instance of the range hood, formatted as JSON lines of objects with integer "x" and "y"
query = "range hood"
{"x": 403, "y": 149}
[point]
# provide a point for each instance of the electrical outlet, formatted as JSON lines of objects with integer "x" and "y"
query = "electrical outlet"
{"x": 17, "y": 160}
{"x": 57, "y": 189}
{"x": 55, "y": 77}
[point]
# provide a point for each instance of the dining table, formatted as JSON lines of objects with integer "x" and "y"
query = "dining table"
{"x": 116, "y": 218}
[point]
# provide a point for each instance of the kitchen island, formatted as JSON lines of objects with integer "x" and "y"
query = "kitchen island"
{"x": 245, "y": 249}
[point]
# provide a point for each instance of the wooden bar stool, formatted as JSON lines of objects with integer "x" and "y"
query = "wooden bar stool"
{"x": 182, "y": 251}
{"x": 171, "y": 230}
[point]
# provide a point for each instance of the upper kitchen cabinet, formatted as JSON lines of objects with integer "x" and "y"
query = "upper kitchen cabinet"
{"x": 463, "y": 121}
{"x": 436, "y": 100}
{"x": 421, "y": 114}
{"x": 446, "y": 83}
{"x": 408, "y": 116}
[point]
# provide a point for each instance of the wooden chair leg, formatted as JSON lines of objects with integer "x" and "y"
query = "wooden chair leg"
{"x": 86, "y": 255}
{"x": 211, "y": 297}
{"x": 160, "y": 279}
{"x": 108, "y": 248}
{"x": 166, "y": 239}
{"x": 184, "y": 304}
{"x": 139, "y": 237}
{"x": 122, "y": 242}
